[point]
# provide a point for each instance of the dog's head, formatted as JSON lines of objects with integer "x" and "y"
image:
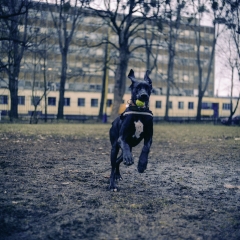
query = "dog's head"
{"x": 141, "y": 90}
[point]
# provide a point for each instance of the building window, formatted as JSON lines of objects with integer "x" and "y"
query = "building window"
{"x": 35, "y": 100}
{"x": 109, "y": 102}
{"x": 28, "y": 84}
{"x": 158, "y": 104}
{"x": 190, "y": 105}
{"x": 81, "y": 102}
{"x": 66, "y": 101}
{"x": 180, "y": 105}
{"x": 21, "y": 100}
{"x": 189, "y": 92}
{"x": 206, "y": 105}
{"x": 170, "y": 104}
{"x": 51, "y": 101}
{"x": 98, "y": 87}
{"x": 94, "y": 102}
{"x": 226, "y": 106}
{"x": 92, "y": 87}
{"x": 4, "y": 99}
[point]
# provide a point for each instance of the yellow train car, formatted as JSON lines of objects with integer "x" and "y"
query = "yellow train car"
{"x": 77, "y": 104}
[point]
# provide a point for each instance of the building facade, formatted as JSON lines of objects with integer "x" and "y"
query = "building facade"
{"x": 85, "y": 62}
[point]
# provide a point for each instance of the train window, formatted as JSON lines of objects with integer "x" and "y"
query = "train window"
{"x": 206, "y": 105}
{"x": 109, "y": 102}
{"x": 190, "y": 105}
{"x": 158, "y": 104}
{"x": 180, "y": 105}
{"x": 170, "y": 104}
{"x": 66, "y": 101}
{"x": 4, "y": 99}
{"x": 226, "y": 106}
{"x": 94, "y": 102}
{"x": 81, "y": 102}
{"x": 35, "y": 100}
{"x": 51, "y": 101}
{"x": 21, "y": 100}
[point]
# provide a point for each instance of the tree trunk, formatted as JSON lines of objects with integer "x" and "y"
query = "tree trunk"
{"x": 45, "y": 86}
{"x": 120, "y": 82}
{"x": 169, "y": 80}
{"x": 199, "y": 107}
{"x": 14, "y": 65}
{"x": 200, "y": 93}
{"x": 62, "y": 85}
{"x": 103, "y": 102}
{"x": 13, "y": 88}
{"x": 173, "y": 36}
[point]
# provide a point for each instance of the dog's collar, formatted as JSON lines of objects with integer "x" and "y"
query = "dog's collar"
{"x": 136, "y": 110}
{"x": 139, "y": 113}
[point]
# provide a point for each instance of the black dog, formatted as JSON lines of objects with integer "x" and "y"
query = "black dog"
{"x": 128, "y": 130}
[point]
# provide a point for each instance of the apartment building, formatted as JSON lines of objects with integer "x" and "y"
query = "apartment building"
{"x": 85, "y": 63}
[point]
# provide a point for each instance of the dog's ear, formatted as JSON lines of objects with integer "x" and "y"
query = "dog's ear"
{"x": 146, "y": 77}
{"x": 131, "y": 75}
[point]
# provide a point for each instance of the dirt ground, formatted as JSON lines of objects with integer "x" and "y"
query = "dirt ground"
{"x": 54, "y": 184}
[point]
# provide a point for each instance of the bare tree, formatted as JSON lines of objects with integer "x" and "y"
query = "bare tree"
{"x": 215, "y": 10}
{"x": 232, "y": 20}
{"x": 44, "y": 56}
{"x": 173, "y": 12}
{"x": 66, "y": 17}
{"x": 14, "y": 18}
{"x": 231, "y": 60}
{"x": 152, "y": 37}
{"x": 103, "y": 103}
{"x": 39, "y": 55}
{"x": 125, "y": 19}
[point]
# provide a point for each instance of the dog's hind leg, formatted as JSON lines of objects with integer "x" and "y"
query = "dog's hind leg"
{"x": 114, "y": 153}
{"x": 117, "y": 173}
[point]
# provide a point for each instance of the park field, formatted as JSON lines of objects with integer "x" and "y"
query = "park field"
{"x": 54, "y": 184}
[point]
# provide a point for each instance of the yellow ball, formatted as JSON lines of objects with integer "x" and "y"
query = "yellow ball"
{"x": 140, "y": 103}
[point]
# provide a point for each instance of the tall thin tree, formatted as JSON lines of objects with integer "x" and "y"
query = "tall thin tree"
{"x": 172, "y": 13}
{"x": 66, "y": 17}
{"x": 214, "y": 9}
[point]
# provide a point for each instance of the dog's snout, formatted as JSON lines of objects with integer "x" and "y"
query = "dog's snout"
{"x": 144, "y": 97}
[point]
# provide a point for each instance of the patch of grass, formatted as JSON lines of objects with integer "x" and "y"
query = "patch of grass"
{"x": 65, "y": 130}
{"x": 184, "y": 134}
{"x": 179, "y": 133}
{"x": 164, "y": 134}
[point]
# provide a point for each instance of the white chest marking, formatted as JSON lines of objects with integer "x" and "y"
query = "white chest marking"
{"x": 139, "y": 128}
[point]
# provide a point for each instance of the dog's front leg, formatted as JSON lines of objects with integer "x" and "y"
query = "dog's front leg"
{"x": 143, "y": 159}
{"x": 127, "y": 155}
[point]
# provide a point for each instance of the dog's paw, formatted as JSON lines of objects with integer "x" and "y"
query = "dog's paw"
{"x": 118, "y": 177}
{"x": 128, "y": 160}
{"x": 113, "y": 189}
{"x": 141, "y": 168}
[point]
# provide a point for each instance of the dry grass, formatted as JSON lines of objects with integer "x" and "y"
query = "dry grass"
{"x": 165, "y": 132}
